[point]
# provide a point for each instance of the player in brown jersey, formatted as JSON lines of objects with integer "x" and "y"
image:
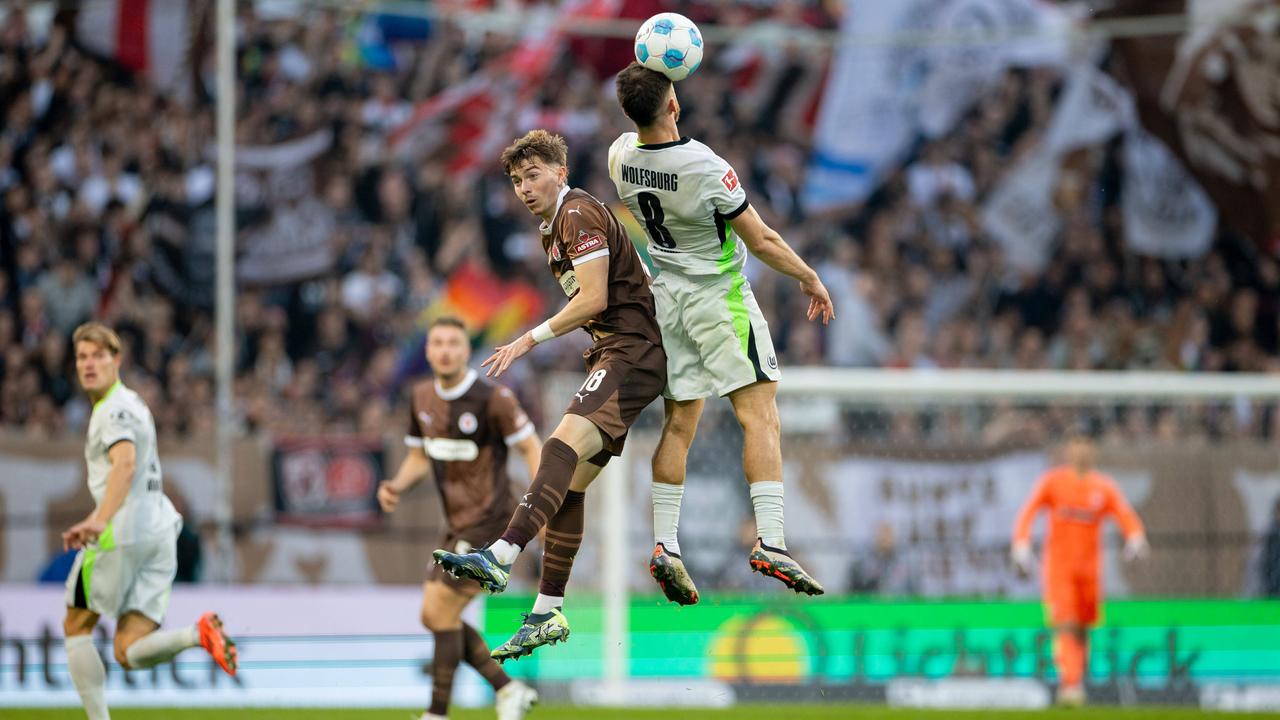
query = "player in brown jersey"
{"x": 460, "y": 429}
{"x": 592, "y": 258}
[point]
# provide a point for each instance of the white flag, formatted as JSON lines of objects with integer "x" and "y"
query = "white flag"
{"x": 1093, "y": 109}
{"x": 1019, "y": 214}
{"x": 1166, "y": 212}
{"x": 911, "y": 67}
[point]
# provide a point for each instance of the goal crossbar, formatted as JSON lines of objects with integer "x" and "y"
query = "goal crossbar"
{"x": 939, "y": 385}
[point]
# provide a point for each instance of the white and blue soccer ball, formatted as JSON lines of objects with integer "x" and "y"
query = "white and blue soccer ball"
{"x": 671, "y": 44}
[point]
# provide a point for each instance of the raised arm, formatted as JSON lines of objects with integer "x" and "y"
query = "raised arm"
{"x": 765, "y": 243}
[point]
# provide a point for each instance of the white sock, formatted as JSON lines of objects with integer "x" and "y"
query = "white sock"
{"x": 666, "y": 514}
{"x": 766, "y": 498}
{"x": 88, "y": 675}
{"x": 544, "y": 603}
{"x": 161, "y": 646}
{"x": 505, "y": 552}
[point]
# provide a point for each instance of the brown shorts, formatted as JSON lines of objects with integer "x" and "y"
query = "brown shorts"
{"x": 624, "y": 374}
{"x": 464, "y": 541}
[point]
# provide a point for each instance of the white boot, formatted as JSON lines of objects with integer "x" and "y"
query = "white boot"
{"x": 1071, "y": 696}
{"x": 514, "y": 700}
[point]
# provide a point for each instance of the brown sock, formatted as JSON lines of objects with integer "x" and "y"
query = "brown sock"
{"x": 564, "y": 537}
{"x": 476, "y": 654}
{"x": 546, "y": 492}
{"x": 443, "y": 664}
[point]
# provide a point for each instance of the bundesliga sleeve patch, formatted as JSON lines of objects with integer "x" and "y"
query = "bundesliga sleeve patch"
{"x": 730, "y": 180}
{"x": 586, "y": 243}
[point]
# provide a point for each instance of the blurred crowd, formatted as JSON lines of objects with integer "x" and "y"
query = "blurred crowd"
{"x": 108, "y": 188}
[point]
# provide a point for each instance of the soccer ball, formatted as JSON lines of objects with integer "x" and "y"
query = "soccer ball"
{"x": 670, "y": 44}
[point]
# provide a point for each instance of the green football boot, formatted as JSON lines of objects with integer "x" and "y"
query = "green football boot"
{"x": 479, "y": 565}
{"x": 537, "y": 630}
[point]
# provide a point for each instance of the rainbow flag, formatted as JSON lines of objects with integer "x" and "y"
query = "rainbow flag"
{"x": 494, "y": 309}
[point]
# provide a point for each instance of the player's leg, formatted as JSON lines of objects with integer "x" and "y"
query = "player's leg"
{"x": 1068, "y": 657}
{"x": 442, "y": 603}
{"x": 627, "y": 373}
{"x": 88, "y": 673}
{"x": 1088, "y": 601}
{"x": 546, "y": 623}
{"x": 443, "y": 600}
{"x": 574, "y": 437}
{"x": 139, "y": 641}
{"x": 679, "y": 426}
{"x": 732, "y": 337}
{"x": 688, "y": 385}
{"x": 757, "y": 411}
{"x": 94, "y": 588}
{"x": 1063, "y": 598}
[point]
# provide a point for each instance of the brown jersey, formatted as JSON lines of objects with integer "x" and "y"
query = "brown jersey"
{"x": 465, "y": 431}
{"x": 582, "y": 230}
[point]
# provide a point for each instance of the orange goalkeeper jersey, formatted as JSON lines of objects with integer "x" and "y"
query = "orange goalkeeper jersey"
{"x": 1077, "y": 506}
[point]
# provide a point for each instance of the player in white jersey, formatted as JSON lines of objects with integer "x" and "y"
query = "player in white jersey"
{"x": 694, "y": 209}
{"x": 128, "y": 544}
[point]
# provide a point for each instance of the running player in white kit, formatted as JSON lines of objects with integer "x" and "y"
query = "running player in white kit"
{"x": 694, "y": 209}
{"x": 128, "y": 544}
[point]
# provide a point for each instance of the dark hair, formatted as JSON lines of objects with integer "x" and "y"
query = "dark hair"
{"x": 535, "y": 145}
{"x": 447, "y": 321}
{"x": 642, "y": 93}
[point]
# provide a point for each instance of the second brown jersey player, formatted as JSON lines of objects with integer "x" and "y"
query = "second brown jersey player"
{"x": 460, "y": 429}
{"x": 593, "y": 260}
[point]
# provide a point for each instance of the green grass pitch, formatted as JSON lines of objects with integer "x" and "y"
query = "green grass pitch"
{"x": 561, "y": 712}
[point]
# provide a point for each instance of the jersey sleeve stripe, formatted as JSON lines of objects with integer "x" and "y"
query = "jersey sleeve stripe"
{"x": 602, "y": 252}
{"x": 412, "y": 441}
{"x": 525, "y": 431}
{"x": 737, "y": 211}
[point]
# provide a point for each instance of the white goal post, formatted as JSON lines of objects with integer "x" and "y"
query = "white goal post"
{"x": 904, "y": 388}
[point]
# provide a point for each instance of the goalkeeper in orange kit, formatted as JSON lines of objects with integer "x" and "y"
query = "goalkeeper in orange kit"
{"x": 1078, "y": 499}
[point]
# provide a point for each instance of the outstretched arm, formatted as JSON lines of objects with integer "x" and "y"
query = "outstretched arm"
{"x": 765, "y": 243}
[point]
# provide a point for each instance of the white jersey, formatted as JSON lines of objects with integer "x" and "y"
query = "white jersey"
{"x": 685, "y": 195}
{"x": 122, "y": 415}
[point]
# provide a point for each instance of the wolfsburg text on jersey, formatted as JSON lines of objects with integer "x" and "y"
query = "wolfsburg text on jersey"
{"x": 650, "y": 178}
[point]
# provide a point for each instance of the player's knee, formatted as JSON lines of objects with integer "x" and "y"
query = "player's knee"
{"x": 77, "y": 624}
{"x": 681, "y": 427}
{"x": 759, "y": 418}
{"x": 122, "y": 653}
{"x": 434, "y": 619}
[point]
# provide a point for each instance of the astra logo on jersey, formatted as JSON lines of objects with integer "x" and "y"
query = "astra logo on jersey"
{"x": 586, "y": 243}
{"x": 467, "y": 423}
{"x": 730, "y": 180}
{"x": 645, "y": 177}
{"x": 555, "y": 254}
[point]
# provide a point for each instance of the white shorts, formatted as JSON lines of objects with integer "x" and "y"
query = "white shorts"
{"x": 715, "y": 336}
{"x": 118, "y": 579}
